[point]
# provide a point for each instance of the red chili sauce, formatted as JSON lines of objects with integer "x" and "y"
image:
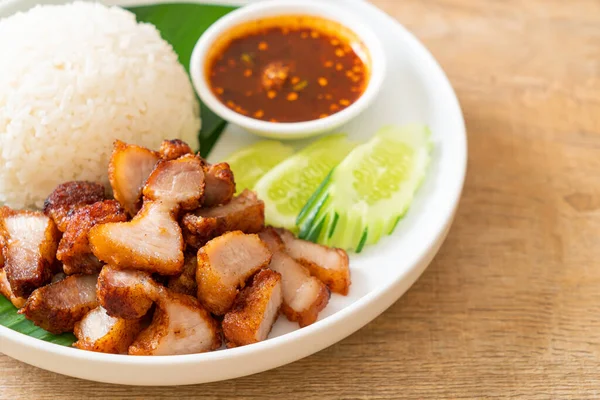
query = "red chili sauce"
{"x": 288, "y": 69}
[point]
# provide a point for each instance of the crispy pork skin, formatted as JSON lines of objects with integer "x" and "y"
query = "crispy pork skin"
{"x": 224, "y": 265}
{"x": 328, "y": 264}
{"x": 244, "y": 213}
{"x": 180, "y": 326}
{"x": 74, "y": 249}
{"x": 128, "y": 170}
{"x": 100, "y": 332}
{"x": 126, "y": 294}
{"x": 255, "y": 310}
{"x": 186, "y": 282}
{"x": 173, "y": 149}
{"x": 29, "y": 241}
{"x": 70, "y": 196}
{"x": 179, "y": 182}
{"x": 304, "y": 296}
{"x": 151, "y": 241}
{"x": 58, "y": 306}
{"x": 7, "y": 292}
{"x": 219, "y": 184}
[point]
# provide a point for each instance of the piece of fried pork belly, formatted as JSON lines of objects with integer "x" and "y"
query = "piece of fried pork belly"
{"x": 7, "y": 292}
{"x": 70, "y": 196}
{"x": 173, "y": 149}
{"x": 2, "y": 247}
{"x": 272, "y": 239}
{"x": 186, "y": 282}
{"x": 244, "y": 213}
{"x": 180, "y": 326}
{"x": 219, "y": 184}
{"x": 180, "y": 182}
{"x": 100, "y": 332}
{"x": 304, "y": 296}
{"x": 328, "y": 264}
{"x": 128, "y": 170}
{"x": 126, "y": 294}
{"x": 151, "y": 241}
{"x": 59, "y": 276}
{"x": 58, "y": 306}
{"x": 74, "y": 249}
{"x": 255, "y": 310}
{"x": 29, "y": 244}
{"x": 224, "y": 265}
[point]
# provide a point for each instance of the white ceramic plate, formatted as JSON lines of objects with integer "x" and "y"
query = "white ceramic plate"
{"x": 415, "y": 90}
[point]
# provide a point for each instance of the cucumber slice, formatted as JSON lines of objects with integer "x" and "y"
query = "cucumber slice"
{"x": 250, "y": 163}
{"x": 286, "y": 188}
{"x": 366, "y": 195}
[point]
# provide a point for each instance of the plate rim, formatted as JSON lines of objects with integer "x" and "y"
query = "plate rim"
{"x": 367, "y": 307}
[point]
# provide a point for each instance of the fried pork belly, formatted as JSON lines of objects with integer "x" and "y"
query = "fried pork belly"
{"x": 255, "y": 310}
{"x": 128, "y": 170}
{"x": 224, "y": 265}
{"x": 173, "y": 149}
{"x": 58, "y": 306}
{"x": 328, "y": 264}
{"x": 180, "y": 182}
{"x": 7, "y": 292}
{"x": 100, "y": 332}
{"x": 180, "y": 326}
{"x": 304, "y": 296}
{"x": 59, "y": 276}
{"x": 2, "y": 246}
{"x": 186, "y": 282}
{"x": 29, "y": 244}
{"x": 219, "y": 185}
{"x": 272, "y": 239}
{"x": 126, "y": 294}
{"x": 70, "y": 196}
{"x": 74, "y": 249}
{"x": 151, "y": 241}
{"x": 244, "y": 213}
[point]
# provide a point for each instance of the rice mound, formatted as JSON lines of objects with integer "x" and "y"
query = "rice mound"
{"x": 74, "y": 78}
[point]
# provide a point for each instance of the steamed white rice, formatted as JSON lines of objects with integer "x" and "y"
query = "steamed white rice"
{"x": 73, "y": 79}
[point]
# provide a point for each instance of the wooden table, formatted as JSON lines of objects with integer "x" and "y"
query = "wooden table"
{"x": 511, "y": 304}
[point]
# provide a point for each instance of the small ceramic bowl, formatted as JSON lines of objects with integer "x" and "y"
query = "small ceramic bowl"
{"x": 375, "y": 58}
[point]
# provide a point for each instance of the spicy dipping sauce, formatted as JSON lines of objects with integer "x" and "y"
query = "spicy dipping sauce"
{"x": 288, "y": 68}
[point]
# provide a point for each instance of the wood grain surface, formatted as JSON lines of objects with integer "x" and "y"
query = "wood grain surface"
{"x": 510, "y": 307}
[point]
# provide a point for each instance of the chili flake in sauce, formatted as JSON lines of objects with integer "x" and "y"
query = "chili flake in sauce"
{"x": 290, "y": 69}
